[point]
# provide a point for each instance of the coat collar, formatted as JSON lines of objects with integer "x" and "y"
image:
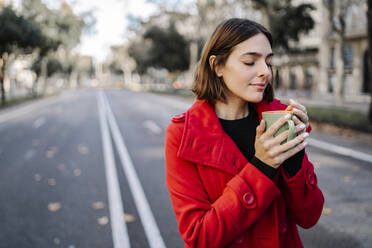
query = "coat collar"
{"x": 204, "y": 141}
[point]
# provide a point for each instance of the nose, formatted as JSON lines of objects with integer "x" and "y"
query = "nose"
{"x": 263, "y": 70}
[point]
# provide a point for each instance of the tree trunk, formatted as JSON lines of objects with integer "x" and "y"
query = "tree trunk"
{"x": 44, "y": 74}
{"x": 3, "y": 61}
{"x": 369, "y": 32}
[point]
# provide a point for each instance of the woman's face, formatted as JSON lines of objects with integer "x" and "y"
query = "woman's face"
{"x": 247, "y": 71}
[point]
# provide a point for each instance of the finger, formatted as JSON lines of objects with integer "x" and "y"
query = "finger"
{"x": 278, "y": 139}
{"x": 260, "y": 128}
{"x": 288, "y": 145}
{"x": 274, "y": 127}
{"x": 296, "y": 104}
{"x": 300, "y": 128}
{"x": 289, "y": 108}
{"x": 284, "y": 156}
{"x": 299, "y": 139}
{"x": 296, "y": 120}
{"x": 302, "y": 115}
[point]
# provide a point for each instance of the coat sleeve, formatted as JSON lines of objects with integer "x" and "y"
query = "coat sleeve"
{"x": 302, "y": 194}
{"x": 203, "y": 223}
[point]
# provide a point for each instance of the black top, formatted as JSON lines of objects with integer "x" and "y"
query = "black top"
{"x": 243, "y": 133}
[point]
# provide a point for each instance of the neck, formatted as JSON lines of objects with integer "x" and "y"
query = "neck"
{"x": 233, "y": 109}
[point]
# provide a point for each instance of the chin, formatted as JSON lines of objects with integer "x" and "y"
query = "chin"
{"x": 254, "y": 98}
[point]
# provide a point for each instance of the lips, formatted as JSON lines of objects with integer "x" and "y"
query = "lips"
{"x": 259, "y": 86}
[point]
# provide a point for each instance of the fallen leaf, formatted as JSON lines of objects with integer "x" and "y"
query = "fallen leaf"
{"x": 83, "y": 149}
{"x": 52, "y": 182}
{"x": 128, "y": 218}
{"x": 77, "y": 172}
{"x": 37, "y": 177}
{"x": 103, "y": 221}
{"x": 98, "y": 205}
{"x": 51, "y": 152}
{"x": 347, "y": 179}
{"x": 54, "y": 206}
{"x": 327, "y": 211}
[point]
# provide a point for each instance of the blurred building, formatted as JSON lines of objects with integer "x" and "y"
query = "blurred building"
{"x": 313, "y": 68}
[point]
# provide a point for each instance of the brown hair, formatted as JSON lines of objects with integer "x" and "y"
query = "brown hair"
{"x": 207, "y": 85}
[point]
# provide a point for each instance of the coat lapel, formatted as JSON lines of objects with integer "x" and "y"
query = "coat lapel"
{"x": 204, "y": 142}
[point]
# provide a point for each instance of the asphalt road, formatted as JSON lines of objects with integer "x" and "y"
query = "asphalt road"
{"x": 86, "y": 169}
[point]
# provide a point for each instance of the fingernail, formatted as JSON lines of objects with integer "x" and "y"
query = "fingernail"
{"x": 305, "y": 135}
{"x": 302, "y": 126}
{"x": 304, "y": 144}
{"x": 287, "y": 116}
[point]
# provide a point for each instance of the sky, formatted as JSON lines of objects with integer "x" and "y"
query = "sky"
{"x": 111, "y": 22}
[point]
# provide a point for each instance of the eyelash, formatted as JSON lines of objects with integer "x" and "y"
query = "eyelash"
{"x": 250, "y": 64}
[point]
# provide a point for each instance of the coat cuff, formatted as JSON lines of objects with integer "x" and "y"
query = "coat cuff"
{"x": 293, "y": 164}
{"x": 254, "y": 189}
{"x": 269, "y": 171}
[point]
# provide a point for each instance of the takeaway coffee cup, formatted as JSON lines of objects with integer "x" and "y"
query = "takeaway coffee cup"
{"x": 271, "y": 117}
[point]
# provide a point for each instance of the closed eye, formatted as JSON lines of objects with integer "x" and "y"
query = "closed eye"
{"x": 250, "y": 64}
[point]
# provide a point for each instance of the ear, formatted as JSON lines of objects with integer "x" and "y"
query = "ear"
{"x": 217, "y": 68}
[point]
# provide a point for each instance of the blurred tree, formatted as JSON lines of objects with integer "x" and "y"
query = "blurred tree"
{"x": 90, "y": 22}
{"x": 161, "y": 48}
{"x": 61, "y": 29}
{"x": 16, "y": 33}
{"x": 285, "y": 20}
{"x": 172, "y": 5}
{"x": 369, "y": 32}
{"x": 139, "y": 50}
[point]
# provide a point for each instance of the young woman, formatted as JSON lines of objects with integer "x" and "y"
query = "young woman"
{"x": 232, "y": 184}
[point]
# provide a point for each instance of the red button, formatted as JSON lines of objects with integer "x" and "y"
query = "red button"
{"x": 282, "y": 228}
{"x": 248, "y": 198}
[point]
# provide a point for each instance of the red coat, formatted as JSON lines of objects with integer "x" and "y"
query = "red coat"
{"x": 221, "y": 200}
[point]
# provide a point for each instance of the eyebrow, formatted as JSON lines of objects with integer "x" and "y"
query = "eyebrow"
{"x": 258, "y": 54}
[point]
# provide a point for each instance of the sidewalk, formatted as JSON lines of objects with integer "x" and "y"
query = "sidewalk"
{"x": 353, "y": 103}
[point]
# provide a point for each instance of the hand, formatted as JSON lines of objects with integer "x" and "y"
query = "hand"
{"x": 300, "y": 112}
{"x": 268, "y": 148}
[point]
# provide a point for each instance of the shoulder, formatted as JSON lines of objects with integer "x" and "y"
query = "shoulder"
{"x": 175, "y": 128}
{"x": 179, "y": 118}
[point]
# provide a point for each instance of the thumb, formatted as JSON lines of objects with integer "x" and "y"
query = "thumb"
{"x": 289, "y": 108}
{"x": 260, "y": 128}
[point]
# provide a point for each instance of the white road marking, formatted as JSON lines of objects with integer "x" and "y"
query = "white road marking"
{"x": 340, "y": 150}
{"x": 147, "y": 218}
{"x": 152, "y": 126}
{"x": 38, "y": 123}
{"x": 119, "y": 229}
